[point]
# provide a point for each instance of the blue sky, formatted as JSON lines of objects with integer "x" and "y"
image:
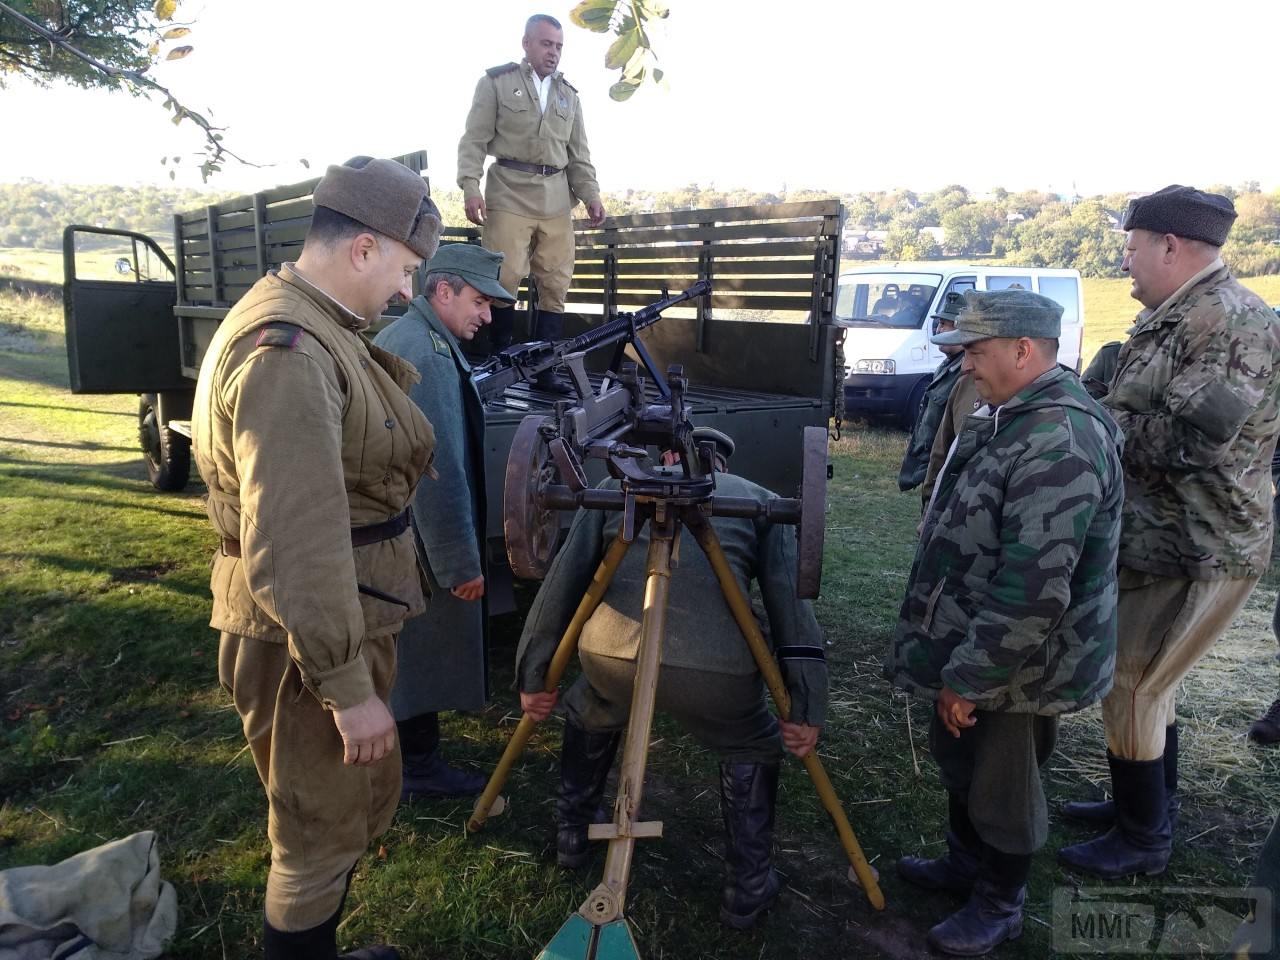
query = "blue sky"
{"x": 838, "y": 95}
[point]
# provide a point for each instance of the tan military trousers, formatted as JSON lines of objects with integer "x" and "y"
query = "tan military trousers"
{"x": 322, "y": 814}
{"x": 1165, "y": 626}
{"x": 540, "y": 248}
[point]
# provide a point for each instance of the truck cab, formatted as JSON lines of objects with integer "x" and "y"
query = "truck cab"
{"x": 887, "y": 312}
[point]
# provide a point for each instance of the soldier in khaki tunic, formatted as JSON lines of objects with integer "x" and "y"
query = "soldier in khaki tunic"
{"x": 1195, "y": 392}
{"x": 311, "y": 450}
{"x": 528, "y": 116}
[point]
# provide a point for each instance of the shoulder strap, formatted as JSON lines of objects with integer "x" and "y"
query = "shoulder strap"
{"x": 505, "y": 68}
{"x": 279, "y": 334}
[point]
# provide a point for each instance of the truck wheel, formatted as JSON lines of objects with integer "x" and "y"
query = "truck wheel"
{"x": 168, "y": 454}
{"x": 915, "y": 400}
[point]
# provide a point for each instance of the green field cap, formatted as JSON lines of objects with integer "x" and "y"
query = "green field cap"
{"x": 474, "y": 264}
{"x": 1004, "y": 314}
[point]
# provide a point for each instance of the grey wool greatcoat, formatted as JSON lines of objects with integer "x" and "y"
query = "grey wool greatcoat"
{"x": 442, "y": 659}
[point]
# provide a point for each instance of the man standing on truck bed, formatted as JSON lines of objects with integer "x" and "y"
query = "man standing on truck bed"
{"x": 311, "y": 449}
{"x": 441, "y": 660}
{"x": 528, "y": 116}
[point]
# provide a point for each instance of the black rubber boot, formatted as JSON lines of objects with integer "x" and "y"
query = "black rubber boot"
{"x": 957, "y": 869}
{"x": 994, "y": 911}
{"x": 317, "y": 943}
{"x": 550, "y": 326}
{"x": 426, "y": 775}
{"x": 1141, "y": 840}
{"x": 1266, "y": 729}
{"x": 1102, "y": 813}
{"x": 501, "y": 324}
{"x": 585, "y": 759}
{"x": 748, "y": 797}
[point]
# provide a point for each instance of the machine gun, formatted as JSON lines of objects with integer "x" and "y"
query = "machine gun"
{"x": 524, "y": 361}
{"x": 545, "y": 475}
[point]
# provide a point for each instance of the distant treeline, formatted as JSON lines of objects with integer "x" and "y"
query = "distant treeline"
{"x": 1032, "y": 227}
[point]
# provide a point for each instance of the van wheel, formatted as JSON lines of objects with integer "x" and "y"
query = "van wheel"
{"x": 915, "y": 402}
{"x": 168, "y": 454}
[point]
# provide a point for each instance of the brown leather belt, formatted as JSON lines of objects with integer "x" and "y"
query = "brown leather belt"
{"x": 539, "y": 168}
{"x": 360, "y": 536}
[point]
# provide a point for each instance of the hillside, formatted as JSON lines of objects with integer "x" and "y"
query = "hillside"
{"x": 1030, "y": 227}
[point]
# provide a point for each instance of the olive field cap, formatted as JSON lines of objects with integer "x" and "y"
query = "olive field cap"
{"x": 1004, "y": 314}
{"x": 724, "y": 443}
{"x": 952, "y": 304}
{"x": 385, "y": 196}
{"x": 474, "y": 264}
{"x": 1184, "y": 212}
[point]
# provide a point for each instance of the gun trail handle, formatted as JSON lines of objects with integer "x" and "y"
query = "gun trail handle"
{"x": 555, "y": 672}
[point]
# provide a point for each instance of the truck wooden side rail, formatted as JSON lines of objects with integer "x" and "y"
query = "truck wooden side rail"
{"x": 761, "y": 352}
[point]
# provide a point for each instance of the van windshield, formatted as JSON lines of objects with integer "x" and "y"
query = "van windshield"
{"x": 885, "y": 299}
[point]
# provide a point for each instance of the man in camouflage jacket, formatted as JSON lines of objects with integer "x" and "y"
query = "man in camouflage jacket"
{"x": 1196, "y": 395}
{"x": 934, "y": 405}
{"x": 1010, "y": 613}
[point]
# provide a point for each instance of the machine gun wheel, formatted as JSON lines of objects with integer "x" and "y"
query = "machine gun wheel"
{"x": 531, "y": 531}
{"x": 813, "y": 513}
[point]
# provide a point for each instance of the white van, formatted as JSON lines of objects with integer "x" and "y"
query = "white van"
{"x": 887, "y": 309}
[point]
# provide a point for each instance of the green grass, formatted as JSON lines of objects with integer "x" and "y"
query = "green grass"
{"x": 111, "y": 721}
{"x": 1109, "y": 310}
{"x": 97, "y": 263}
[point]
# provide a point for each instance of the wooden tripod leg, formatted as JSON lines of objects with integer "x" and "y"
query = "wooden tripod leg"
{"x": 741, "y": 610}
{"x": 607, "y": 900}
{"x": 559, "y": 663}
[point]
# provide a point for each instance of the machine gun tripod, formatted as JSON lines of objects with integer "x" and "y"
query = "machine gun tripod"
{"x": 545, "y": 475}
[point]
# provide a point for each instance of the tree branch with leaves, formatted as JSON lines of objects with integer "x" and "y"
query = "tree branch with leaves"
{"x": 632, "y": 52}
{"x": 104, "y": 44}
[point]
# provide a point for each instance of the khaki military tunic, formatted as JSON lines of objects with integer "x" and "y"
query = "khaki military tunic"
{"x": 527, "y": 214}
{"x": 507, "y": 122}
{"x": 301, "y": 430}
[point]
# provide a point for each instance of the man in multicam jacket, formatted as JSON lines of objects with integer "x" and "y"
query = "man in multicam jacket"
{"x": 1195, "y": 393}
{"x": 1010, "y": 613}
{"x": 916, "y": 461}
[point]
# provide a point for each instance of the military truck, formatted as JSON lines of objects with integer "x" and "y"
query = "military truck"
{"x": 761, "y": 351}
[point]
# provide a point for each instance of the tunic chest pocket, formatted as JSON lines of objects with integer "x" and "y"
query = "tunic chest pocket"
{"x": 514, "y": 100}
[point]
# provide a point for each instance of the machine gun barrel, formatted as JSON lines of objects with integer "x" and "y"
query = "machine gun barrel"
{"x": 525, "y": 361}
{"x": 627, "y": 324}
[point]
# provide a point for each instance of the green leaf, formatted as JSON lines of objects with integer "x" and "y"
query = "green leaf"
{"x": 622, "y": 90}
{"x": 177, "y": 53}
{"x": 593, "y": 15}
{"x": 306, "y": 164}
{"x": 653, "y": 10}
{"x": 173, "y": 174}
{"x": 165, "y": 9}
{"x": 620, "y": 50}
{"x": 163, "y": 161}
{"x": 657, "y": 75}
{"x": 634, "y": 70}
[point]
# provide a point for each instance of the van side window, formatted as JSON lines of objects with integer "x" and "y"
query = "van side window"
{"x": 1008, "y": 283}
{"x": 960, "y": 285}
{"x": 1065, "y": 291}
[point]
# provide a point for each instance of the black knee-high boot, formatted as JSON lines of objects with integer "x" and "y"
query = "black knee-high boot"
{"x": 748, "y": 798}
{"x": 956, "y": 870}
{"x": 585, "y": 759}
{"x": 1102, "y": 813}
